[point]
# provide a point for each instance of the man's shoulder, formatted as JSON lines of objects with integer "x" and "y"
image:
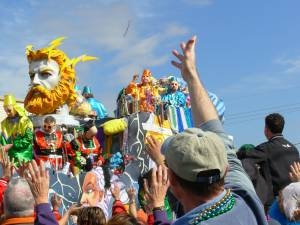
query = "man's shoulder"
{"x": 284, "y": 142}
{"x": 253, "y": 213}
{"x": 58, "y": 133}
{"x": 263, "y": 146}
{"x": 39, "y": 132}
{"x": 185, "y": 219}
{"x": 277, "y": 142}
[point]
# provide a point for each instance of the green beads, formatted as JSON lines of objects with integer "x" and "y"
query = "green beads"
{"x": 220, "y": 207}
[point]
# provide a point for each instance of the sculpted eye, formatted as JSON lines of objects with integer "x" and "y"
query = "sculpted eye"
{"x": 89, "y": 191}
{"x": 46, "y": 74}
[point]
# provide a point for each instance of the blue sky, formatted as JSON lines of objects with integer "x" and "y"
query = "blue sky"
{"x": 248, "y": 51}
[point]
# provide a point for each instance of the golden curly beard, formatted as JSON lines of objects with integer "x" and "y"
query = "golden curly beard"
{"x": 40, "y": 100}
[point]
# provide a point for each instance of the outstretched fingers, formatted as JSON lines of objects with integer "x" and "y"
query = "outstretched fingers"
{"x": 34, "y": 171}
{"x": 190, "y": 45}
{"x": 295, "y": 172}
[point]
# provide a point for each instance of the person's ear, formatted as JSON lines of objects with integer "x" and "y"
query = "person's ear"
{"x": 175, "y": 186}
{"x": 226, "y": 170}
{"x": 172, "y": 178}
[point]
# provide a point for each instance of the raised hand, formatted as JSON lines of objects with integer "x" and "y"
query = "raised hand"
{"x": 131, "y": 193}
{"x": 202, "y": 108}
{"x": 297, "y": 215}
{"x": 38, "y": 180}
{"x": 158, "y": 187}
{"x": 135, "y": 78}
{"x": 22, "y": 168}
{"x": 7, "y": 147}
{"x": 186, "y": 60}
{"x": 295, "y": 172}
{"x": 132, "y": 206}
{"x": 56, "y": 201}
{"x": 153, "y": 147}
{"x": 115, "y": 191}
{"x": 7, "y": 165}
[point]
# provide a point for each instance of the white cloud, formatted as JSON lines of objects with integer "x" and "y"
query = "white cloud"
{"x": 94, "y": 28}
{"x": 292, "y": 65}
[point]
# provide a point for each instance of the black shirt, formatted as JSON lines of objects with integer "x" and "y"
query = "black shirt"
{"x": 275, "y": 156}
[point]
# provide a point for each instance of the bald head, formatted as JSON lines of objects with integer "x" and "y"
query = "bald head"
{"x": 18, "y": 199}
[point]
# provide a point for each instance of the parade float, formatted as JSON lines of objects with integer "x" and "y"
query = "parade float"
{"x": 81, "y": 143}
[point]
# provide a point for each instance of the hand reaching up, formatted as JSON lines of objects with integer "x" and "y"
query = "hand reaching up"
{"x": 153, "y": 147}
{"x": 158, "y": 186}
{"x": 131, "y": 193}
{"x": 22, "y": 169}
{"x": 56, "y": 201}
{"x": 186, "y": 60}
{"x": 38, "y": 180}
{"x": 295, "y": 172}
{"x": 7, "y": 165}
{"x": 115, "y": 191}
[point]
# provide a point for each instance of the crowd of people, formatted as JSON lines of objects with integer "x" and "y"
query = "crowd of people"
{"x": 199, "y": 176}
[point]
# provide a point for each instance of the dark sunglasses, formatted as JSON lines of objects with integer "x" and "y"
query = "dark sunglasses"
{"x": 49, "y": 126}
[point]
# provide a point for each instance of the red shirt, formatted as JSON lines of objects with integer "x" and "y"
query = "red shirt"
{"x": 3, "y": 185}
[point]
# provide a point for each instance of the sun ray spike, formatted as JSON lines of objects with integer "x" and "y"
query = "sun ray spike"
{"x": 56, "y": 42}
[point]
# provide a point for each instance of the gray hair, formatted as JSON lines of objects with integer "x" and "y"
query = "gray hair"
{"x": 291, "y": 199}
{"x": 18, "y": 199}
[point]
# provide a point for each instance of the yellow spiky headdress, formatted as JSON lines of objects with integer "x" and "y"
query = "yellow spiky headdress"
{"x": 51, "y": 52}
{"x": 67, "y": 70}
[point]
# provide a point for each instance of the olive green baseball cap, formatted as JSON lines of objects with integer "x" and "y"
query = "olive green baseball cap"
{"x": 196, "y": 155}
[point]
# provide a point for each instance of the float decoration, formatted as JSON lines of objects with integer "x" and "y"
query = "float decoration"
{"x": 40, "y": 99}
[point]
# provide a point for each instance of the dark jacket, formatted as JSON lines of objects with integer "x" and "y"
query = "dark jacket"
{"x": 275, "y": 157}
{"x": 261, "y": 179}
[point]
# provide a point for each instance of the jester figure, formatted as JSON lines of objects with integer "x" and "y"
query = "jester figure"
{"x": 17, "y": 131}
{"x": 145, "y": 93}
{"x": 52, "y": 75}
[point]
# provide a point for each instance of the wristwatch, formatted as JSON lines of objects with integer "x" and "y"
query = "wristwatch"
{"x": 159, "y": 208}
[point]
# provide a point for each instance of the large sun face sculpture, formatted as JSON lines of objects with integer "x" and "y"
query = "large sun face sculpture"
{"x": 53, "y": 78}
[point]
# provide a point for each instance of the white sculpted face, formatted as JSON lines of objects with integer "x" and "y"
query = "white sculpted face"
{"x": 45, "y": 73}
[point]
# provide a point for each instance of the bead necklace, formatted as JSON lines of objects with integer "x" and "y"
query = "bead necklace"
{"x": 220, "y": 207}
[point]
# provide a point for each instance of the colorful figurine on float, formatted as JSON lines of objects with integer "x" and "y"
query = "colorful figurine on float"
{"x": 176, "y": 101}
{"x": 17, "y": 131}
{"x": 145, "y": 93}
{"x": 97, "y": 106}
{"x": 86, "y": 152}
{"x": 81, "y": 108}
{"x": 48, "y": 144}
{"x": 53, "y": 78}
{"x": 174, "y": 96}
{"x": 96, "y": 190}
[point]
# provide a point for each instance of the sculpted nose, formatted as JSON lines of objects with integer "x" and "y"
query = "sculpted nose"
{"x": 36, "y": 79}
{"x": 83, "y": 199}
